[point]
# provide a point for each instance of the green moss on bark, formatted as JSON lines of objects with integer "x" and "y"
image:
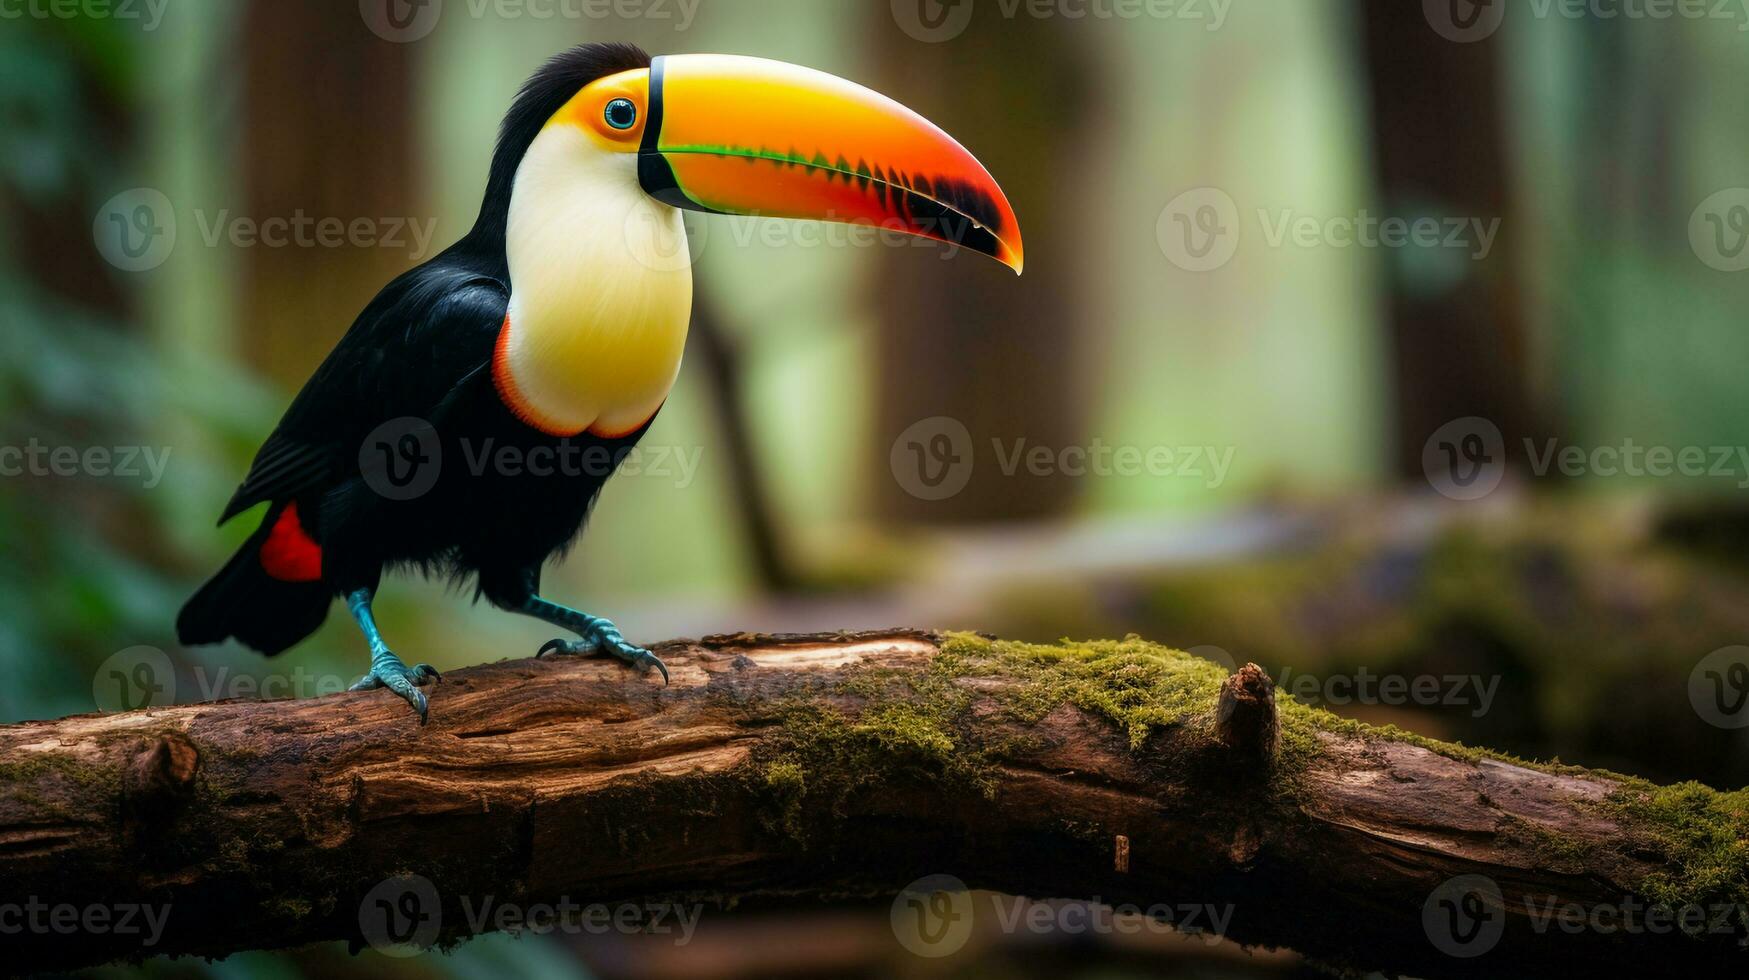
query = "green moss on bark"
{"x": 1703, "y": 833}
{"x": 787, "y": 782}
{"x": 24, "y": 778}
{"x": 885, "y": 723}
{"x": 877, "y": 724}
{"x": 1136, "y": 685}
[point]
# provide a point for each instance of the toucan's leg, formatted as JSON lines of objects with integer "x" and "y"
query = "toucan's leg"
{"x": 386, "y": 669}
{"x": 599, "y": 636}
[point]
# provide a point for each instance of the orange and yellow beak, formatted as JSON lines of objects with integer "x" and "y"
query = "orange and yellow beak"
{"x": 737, "y": 135}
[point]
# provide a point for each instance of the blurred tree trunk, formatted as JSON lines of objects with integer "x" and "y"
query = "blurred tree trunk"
{"x": 1458, "y": 335}
{"x": 318, "y": 87}
{"x": 720, "y": 356}
{"x": 964, "y": 338}
{"x": 50, "y": 233}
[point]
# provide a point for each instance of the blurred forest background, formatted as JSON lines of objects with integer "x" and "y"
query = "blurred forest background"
{"x": 1160, "y": 165}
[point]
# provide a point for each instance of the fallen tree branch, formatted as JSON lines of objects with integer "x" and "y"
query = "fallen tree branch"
{"x": 778, "y": 769}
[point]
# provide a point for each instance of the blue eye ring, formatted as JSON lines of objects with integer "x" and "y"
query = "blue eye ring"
{"x": 620, "y": 114}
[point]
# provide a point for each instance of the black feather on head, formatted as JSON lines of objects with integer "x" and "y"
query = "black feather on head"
{"x": 545, "y": 92}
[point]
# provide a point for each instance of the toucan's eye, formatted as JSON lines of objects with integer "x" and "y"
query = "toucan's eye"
{"x": 621, "y": 114}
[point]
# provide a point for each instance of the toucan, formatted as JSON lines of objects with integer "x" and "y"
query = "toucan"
{"x": 553, "y": 330}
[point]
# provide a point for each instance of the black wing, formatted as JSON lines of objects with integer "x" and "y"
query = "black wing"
{"x": 424, "y": 335}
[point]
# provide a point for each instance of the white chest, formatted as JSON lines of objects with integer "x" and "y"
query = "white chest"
{"x": 601, "y": 292}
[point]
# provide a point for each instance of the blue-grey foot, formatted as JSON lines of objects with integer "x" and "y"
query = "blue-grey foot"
{"x": 387, "y": 670}
{"x": 600, "y": 638}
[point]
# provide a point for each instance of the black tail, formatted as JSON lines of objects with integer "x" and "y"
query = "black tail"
{"x": 243, "y": 601}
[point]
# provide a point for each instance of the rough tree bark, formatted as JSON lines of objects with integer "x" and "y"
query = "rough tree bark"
{"x": 783, "y": 769}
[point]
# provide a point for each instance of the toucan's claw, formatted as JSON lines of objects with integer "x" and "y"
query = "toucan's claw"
{"x": 604, "y": 640}
{"x": 647, "y": 660}
{"x": 387, "y": 670}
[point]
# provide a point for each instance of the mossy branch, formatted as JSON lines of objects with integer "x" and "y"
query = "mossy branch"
{"x": 778, "y": 768}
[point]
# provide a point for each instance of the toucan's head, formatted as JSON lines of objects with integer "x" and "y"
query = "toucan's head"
{"x": 735, "y": 135}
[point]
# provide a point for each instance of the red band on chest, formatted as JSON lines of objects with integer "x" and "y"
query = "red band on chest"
{"x": 511, "y": 395}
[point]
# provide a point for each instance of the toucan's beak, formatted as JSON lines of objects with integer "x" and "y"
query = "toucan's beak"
{"x": 739, "y": 135}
